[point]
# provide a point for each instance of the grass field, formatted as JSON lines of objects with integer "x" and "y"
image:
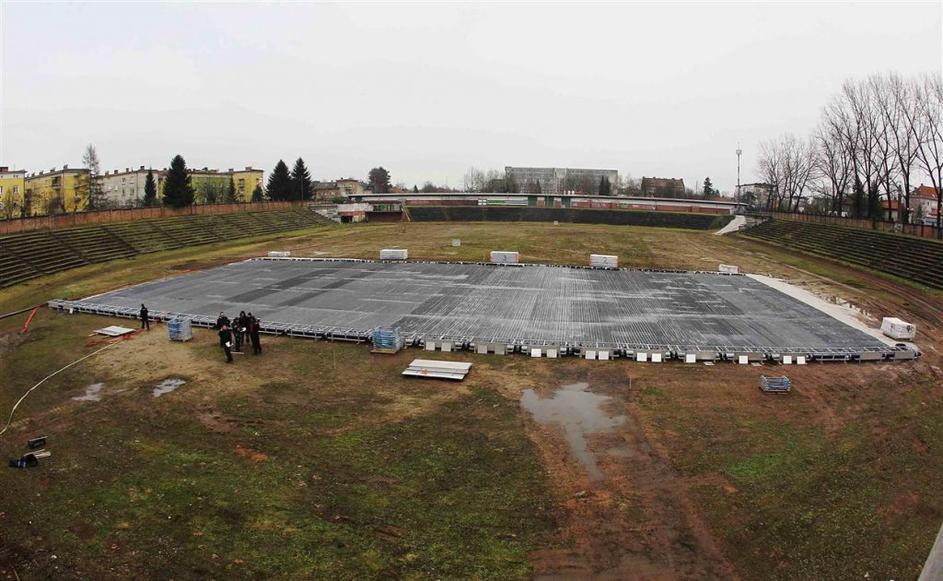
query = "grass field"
{"x": 319, "y": 460}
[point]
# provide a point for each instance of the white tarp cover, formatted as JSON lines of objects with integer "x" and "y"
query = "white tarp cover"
{"x": 114, "y": 331}
{"x": 438, "y": 369}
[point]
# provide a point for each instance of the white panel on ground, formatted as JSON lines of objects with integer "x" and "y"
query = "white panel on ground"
{"x": 430, "y": 345}
{"x": 114, "y": 331}
{"x": 656, "y": 357}
{"x": 603, "y": 355}
{"x": 590, "y": 354}
{"x": 552, "y": 353}
{"x": 535, "y": 353}
{"x": 690, "y": 358}
{"x": 641, "y": 356}
{"x": 438, "y": 369}
{"x": 446, "y": 346}
{"x": 800, "y": 360}
{"x": 481, "y": 348}
{"x": 743, "y": 359}
{"x": 787, "y": 359}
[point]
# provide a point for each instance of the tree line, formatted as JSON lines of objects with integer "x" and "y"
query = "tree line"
{"x": 875, "y": 139}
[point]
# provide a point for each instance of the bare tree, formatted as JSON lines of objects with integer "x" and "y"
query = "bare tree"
{"x": 833, "y": 162}
{"x": 898, "y": 106}
{"x": 927, "y": 131}
{"x": 789, "y": 165}
{"x": 474, "y": 180}
{"x": 93, "y": 187}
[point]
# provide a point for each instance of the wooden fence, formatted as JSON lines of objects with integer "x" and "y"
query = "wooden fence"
{"x": 128, "y": 214}
{"x": 920, "y": 230}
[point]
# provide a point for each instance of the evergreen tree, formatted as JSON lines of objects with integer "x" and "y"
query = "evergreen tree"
{"x": 150, "y": 190}
{"x": 279, "y": 183}
{"x": 537, "y": 189}
{"x": 415, "y": 189}
{"x": 708, "y": 188}
{"x": 605, "y": 188}
{"x": 178, "y": 191}
{"x": 300, "y": 182}
{"x": 379, "y": 179}
{"x": 257, "y": 193}
{"x": 230, "y": 197}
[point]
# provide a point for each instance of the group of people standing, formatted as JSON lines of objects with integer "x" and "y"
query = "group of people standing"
{"x": 234, "y": 333}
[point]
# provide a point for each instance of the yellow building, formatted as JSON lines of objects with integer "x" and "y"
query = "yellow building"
{"x": 209, "y": 185}
{"x": 12, "y": 188}
{"x": 246, "y": 180}
{"x": 56, "y": 191}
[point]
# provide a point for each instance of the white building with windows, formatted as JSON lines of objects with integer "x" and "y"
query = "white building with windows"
{"x": 125, "y": 189}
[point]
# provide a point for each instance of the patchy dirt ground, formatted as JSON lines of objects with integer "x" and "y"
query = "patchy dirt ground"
{"x": 319, "y": 459}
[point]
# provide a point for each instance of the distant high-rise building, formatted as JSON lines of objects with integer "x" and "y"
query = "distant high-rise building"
{"x": 663, "y": 187}
{"x": 559, "y": 180}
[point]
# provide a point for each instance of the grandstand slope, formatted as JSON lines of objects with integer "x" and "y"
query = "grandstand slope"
{"x": 27, "y": 255}
{"x": 916, "y": 259}
{"x": 572, "y": 215}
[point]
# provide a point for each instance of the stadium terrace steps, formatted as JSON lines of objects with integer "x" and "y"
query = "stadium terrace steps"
{"x": 31, "y": 254}
{"x": 95, "y": 243}
{"x": 916, "y": 259}
{"x": 144, "y": 236}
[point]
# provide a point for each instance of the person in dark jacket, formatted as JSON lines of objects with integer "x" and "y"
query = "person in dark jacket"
{"x": 254, "y": 334}
{"x": 145, "y": 322}
{"x": 225, "y": 341}
{"x": 222, "y": 320}
{"x": 239, "y": 330}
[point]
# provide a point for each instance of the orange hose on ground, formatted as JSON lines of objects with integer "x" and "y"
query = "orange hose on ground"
{"x": 29, "y": 320}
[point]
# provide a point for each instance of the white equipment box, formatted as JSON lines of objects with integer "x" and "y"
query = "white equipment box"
{"x": 729, "y": 269}
{"x": 503, "y": 257}
{"x": 394, "y": 254}
{"x": 897, "y": 329}
{"x": 603, "y": 261}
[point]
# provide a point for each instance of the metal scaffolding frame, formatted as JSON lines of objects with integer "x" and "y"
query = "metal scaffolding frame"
{"x": 622, "y": 312}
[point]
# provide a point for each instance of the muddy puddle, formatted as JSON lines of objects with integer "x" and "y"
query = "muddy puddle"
{"x": 166, "y": 386}
{"x": 579, "y": 413}
{"x": 92, "y": 393}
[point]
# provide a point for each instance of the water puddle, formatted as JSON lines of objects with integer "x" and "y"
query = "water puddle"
{"x": 92, "y": 393}
{"x": 579, "y": 412}
{"x": 167, "y": 386}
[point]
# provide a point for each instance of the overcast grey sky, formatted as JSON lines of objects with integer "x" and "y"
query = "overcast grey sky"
{"x": 428, "y": 90}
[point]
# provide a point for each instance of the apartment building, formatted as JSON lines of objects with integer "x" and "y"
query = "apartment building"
{"x": 246, "y": 181}
{"x": 56, "y": 191}
{"x": 125, "y": 189}
{"x": 560, "y": 180}
{"x": 12, "y": 188}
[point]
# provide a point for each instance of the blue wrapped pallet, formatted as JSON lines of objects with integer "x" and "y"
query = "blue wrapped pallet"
{"x": 180, "y": 329}
{"x": 386, "y": 340}
{"x": 775, "y": 384}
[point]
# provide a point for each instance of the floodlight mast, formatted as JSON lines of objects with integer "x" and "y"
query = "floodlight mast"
{"x": 739, "y": 153}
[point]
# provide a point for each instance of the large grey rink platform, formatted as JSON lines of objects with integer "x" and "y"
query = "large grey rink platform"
{"x": 575, "y": 309}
